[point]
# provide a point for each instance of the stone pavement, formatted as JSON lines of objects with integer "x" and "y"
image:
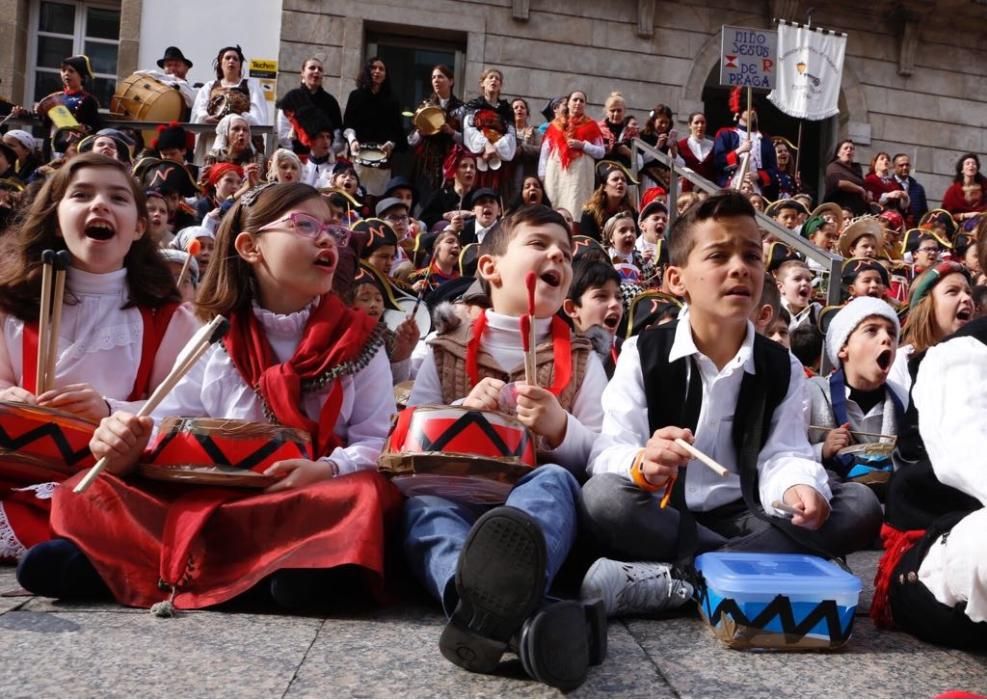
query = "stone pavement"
{"x": 54, "y": 649}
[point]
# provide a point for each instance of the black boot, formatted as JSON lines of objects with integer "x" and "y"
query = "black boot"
{"x": 500, "y": 580}
{"x": 59, "y": 569}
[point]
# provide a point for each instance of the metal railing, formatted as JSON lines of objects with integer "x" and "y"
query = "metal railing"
{"x": 829, "y": 262}
{"x": 268, "y": 132}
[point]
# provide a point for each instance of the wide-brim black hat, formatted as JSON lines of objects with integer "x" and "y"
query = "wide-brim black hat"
{"x": 166, "y": 175}
{"x": 172, "y": 53}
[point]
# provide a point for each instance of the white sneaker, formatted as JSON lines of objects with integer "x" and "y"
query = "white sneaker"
{"x": 634, "y": 588}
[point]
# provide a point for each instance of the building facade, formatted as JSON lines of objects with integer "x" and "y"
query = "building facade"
{"x": 912, "y": 79}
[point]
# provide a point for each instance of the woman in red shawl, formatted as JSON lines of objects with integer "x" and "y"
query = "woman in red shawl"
{"x": 572, "y": 145}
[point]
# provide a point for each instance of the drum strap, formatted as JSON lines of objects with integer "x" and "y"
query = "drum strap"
{"x": 155, "y": 324}
{"x": 561, "y": 353}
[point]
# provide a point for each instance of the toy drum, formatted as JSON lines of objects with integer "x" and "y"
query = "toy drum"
{"x": 458, "y": 453}
{"x": 143, "y": 98}
{"x": 371, "y": 155}
{"x": 785, "y": 602}
{"x": 221, "y": 452}
{"x": 47, "y": 441}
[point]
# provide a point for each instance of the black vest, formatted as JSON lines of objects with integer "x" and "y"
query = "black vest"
{"x": 672, "y": 402}
{"x": 916, "y": 498}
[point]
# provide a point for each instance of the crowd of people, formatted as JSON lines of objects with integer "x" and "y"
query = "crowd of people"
{"x": 520, "y": 271}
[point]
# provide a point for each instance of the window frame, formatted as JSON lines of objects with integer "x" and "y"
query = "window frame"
{"x": 79, "y": 39}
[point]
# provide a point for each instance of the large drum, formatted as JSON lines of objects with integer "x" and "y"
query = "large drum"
{"x": 42, "y": 444}
{"x": 144, "y": 98}
{"x": 458, "y": 453}
{"x": 221, "y": 452}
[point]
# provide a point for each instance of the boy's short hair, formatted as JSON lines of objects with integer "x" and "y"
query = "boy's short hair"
{"x": 980, "y": 296}
{"x": 784, "y": 268}
{"x": 721, "y": 205}
{"x": 771, "y": 296}
{"x": 807, "y": 344}
{"x": 500, "y": 235}
{"x": 590, "y": 273}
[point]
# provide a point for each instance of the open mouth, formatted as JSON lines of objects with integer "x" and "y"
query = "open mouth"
{"x": 884, "y": 360}
{"x": 738, "y": 292}
{"x": 326, "y": 260}
{"x": 611, "y": 321}
{"x": 551, "y": 278}
{"x": 964, "y": 315}
{"x": 99, "y": 230}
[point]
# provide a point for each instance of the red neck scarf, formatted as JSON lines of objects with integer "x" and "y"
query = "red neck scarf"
{"x": 333, "y": 335}
{"x": 561, "y": 353}
{"x": 584, "y": 129}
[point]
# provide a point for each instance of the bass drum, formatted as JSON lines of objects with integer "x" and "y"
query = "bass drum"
{"x": 144, "y": 98}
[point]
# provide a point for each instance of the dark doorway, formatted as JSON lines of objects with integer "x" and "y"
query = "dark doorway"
{"x": 773, "y": 122}
{"x": 409, "y": 61}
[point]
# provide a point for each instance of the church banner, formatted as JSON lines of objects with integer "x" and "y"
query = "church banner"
{"x": 810, "y": 69}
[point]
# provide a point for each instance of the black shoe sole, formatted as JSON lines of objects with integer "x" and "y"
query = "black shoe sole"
{"x": 596, "y": 630}
{"x": 500, "y": 580}
{"x": 555, "y": 646}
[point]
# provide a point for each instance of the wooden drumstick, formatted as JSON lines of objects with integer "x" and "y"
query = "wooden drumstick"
{"x": 62, "y": 261}
{"x": 528, "y": 334}
{"x": 192, "y": 249}
{"x": 44, "y": 318}
{"x": 703, "y": 457}
{"x": 196, "y": 348}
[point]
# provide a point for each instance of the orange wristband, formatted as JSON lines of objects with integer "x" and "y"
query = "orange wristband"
{"x": 637, "y": 476}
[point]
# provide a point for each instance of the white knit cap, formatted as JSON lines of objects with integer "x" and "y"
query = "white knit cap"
{"x": 849, "y": 317}
{"x": 25, "y": 139}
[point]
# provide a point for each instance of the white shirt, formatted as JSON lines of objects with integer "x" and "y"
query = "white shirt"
{"x": 214, "y": 388}
{"x": 785, "y": 460}
{"x": 951, "y": 401}
{"x": 99, "y": 342}
{"x": 476, "y": 141}
{"x": 502, "y": 341}
{"x": 700, "y": 149}
{"x": 318, "y": 175}
{"x": 899, "y": 378}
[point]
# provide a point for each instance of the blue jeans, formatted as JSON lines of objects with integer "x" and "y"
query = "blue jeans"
{"x": 435, "y": 528}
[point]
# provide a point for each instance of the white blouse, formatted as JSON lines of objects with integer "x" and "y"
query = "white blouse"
{"x": 100, "y": 342}
{"x": 214, "y": 388}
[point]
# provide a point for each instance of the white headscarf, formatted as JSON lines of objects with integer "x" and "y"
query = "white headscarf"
{"x": 222, "y": 142}
{"x": 24, "y": 138}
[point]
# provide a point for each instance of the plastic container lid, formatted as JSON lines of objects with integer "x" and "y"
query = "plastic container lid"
{"x": 738, "y": 573}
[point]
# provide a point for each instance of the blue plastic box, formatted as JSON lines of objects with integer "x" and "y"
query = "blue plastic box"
{"x": 789, "y": 602}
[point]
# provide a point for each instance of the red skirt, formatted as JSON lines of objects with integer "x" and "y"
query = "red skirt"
{"x": 203, "y": 546}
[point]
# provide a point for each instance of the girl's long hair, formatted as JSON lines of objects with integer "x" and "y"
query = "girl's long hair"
{"x": 149, "y": 280}
{"x": 229, "y": 285}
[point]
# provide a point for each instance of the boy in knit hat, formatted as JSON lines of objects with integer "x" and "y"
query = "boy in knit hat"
{"x": 855, "y": 402}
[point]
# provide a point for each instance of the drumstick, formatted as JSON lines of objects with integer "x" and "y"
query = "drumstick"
{"x": 528, "y": 334}
{"x": 62, "y": 260}
{"x": 193, "y": 248}
{"x": 195, "y": 348}
{"x": 855, "y": 432}
{"x": 785, "y": 508}
{"x": 47, "y": 262}
{"x": 421, "y": 293}
{"x": 703, "y": 457}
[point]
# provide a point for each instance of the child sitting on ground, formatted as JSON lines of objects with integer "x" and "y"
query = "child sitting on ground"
{"x": 855, "y": 403}
{"x": 491, "y": 568}
{"x": 795, "y": 282}
{"x": 595, "y": 305}
{"x": 711, "y": 381}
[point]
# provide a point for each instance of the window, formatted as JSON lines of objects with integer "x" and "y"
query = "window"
{"x": 409, "y": 62}
{"x": 68, "y": 28}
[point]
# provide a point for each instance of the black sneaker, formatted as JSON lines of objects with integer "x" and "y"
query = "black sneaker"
{"x": 500, "y": 580}
{"x": 58, "y": 569}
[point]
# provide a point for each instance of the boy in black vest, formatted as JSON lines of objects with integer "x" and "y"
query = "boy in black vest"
{"x": 711, "y": 381}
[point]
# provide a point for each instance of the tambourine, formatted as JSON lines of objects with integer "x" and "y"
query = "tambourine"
{"x": 429, "y": 120}
{"x": 423, "y": 317}
{"x": 221, "y": 452}
{"x": 46, "y": 440}
{"x": 459, "y": 453}
{"x": 371, "y": 155}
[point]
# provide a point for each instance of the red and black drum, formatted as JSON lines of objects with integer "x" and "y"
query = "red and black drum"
{"x": 458, "y": 453}
{"x": 42, "y": 444}
{"x": 221, "y": 452}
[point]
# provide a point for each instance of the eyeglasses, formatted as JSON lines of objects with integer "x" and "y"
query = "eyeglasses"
{"x": 311, "y": 227}
{"x": 396, "y": 218}
{"x": 927, "y": 249}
